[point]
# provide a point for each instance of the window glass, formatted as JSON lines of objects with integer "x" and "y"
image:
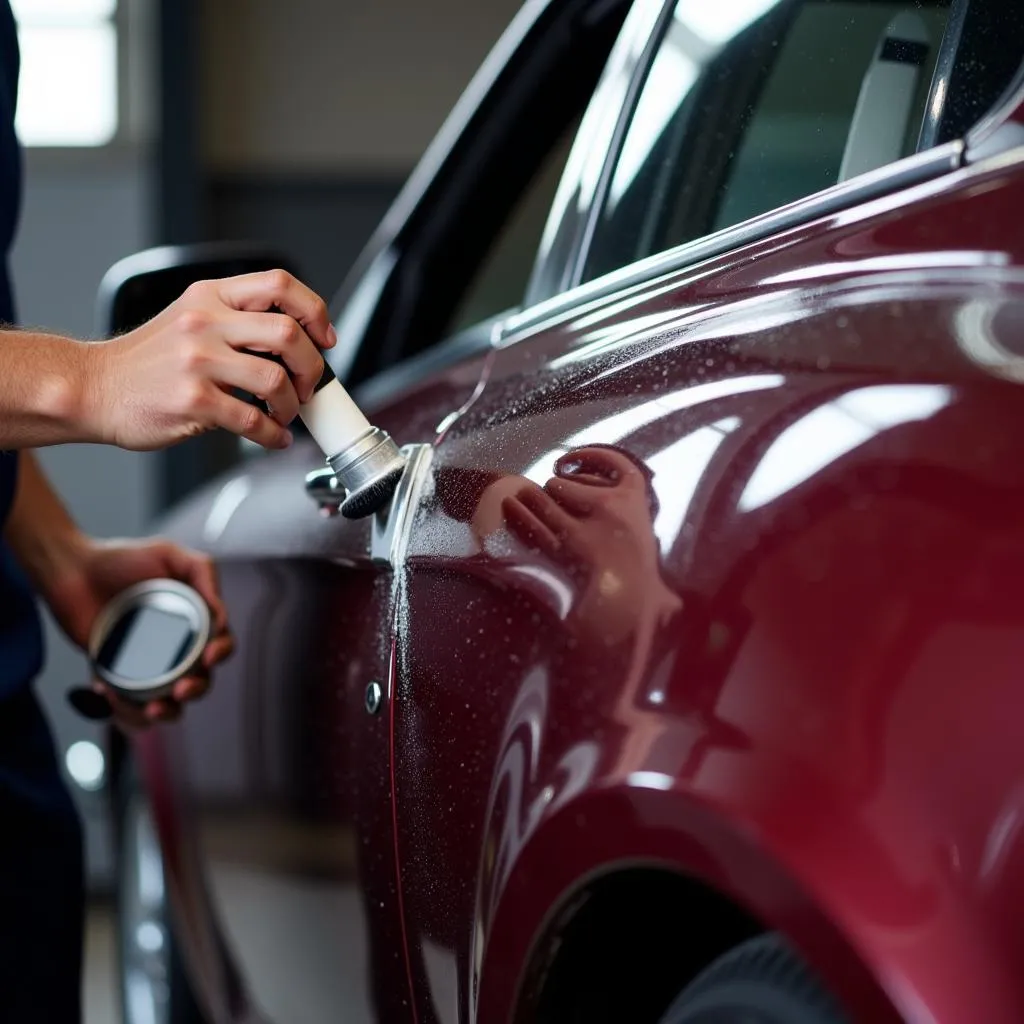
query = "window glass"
{"x": 989, "y": 37}
{"x": 500, "y": 282}
{"x": 67, "y": 93}
{"x": 753, "y": 104}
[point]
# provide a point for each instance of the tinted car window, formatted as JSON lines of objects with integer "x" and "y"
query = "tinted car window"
{"x": 500, "y": 282}
{"x": 750, "y": 105}
{"x": 980, "y": 61}
{"x": 436, "y": 265}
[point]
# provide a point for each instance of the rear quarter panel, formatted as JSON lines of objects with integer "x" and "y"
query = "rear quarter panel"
{"x": 795, "y": 673}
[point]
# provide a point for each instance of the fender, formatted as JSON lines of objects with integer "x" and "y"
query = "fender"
{"x": 853, "y": 928}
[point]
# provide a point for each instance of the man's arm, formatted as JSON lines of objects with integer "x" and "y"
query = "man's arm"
{"x": 171, "y": 378}
{"x": 44, "y": 390}
{"x": 77, "y": 575}
{"x": 43, "y": 536}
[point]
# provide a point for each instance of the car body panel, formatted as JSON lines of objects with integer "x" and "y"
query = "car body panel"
{"x": 778, "y": 677}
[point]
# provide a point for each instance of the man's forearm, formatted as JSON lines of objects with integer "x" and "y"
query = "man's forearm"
{"x": 39, "y": 529}
{"x": 44, "y": 390}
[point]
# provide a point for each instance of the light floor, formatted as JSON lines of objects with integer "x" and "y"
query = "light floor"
{"x": 290, "y": 981}
{"x": 100, "y": 992}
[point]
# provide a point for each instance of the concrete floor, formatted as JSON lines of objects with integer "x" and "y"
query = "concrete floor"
{"x": 101, "y": 1005}
{"x": 304, "y": 980}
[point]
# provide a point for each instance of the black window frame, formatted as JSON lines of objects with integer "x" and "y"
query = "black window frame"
{"x": 394, "y": 306}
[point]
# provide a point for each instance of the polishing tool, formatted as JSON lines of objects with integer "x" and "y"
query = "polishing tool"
{"x": 364, "y": 458}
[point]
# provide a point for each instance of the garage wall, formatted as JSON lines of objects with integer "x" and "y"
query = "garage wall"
{"x": 308, "y": 86}
{"x": 314, "y": 114}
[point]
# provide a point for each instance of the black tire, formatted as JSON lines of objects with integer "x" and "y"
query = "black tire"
{"x": 760, "y": 982}
{"x": 152, "y": 982}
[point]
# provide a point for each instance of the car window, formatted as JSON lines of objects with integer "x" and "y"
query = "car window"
{"x": 463, "y": 241}
{"x": 500, "y": 282}
{"x": 981, "y": 60}
{"x": 753, "y": 104}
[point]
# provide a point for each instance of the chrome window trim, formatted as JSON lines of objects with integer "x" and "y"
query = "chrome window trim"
{"x": 935, "y": 107}
{"x": 905, "y": 173}
{"x": 566, "y": 232}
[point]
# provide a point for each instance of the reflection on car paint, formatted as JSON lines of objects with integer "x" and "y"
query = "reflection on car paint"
{"x": 989, "y": 331}
{"x": 231, "y": 495}
{"x": 770, "y": 641}
{"x": 619, "y": 425}
{"x": 953, "y": 259}
{"x": 818, "y": 439}
{"x": 678, "y": 472}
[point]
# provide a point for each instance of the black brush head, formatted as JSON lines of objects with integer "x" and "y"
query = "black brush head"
{"x": 372, "y": 496}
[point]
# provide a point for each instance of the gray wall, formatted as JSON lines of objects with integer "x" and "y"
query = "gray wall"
{"x": 320, "y": 221}
{"x": 81, "y": 213}
{"x": 314, "y": 113}
{"x": 309, "y": 86}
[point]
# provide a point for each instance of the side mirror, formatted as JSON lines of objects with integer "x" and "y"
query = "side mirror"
{"x": 138, "y": 287}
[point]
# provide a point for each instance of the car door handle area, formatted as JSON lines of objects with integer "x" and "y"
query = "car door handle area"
{"x": 391, "y": 524}
{"x": 323, "y": 486}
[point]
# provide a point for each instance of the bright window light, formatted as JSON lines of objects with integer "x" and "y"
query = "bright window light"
{"x": 64, "y": 12}
{"x": 719, "y": 22}
{"x": 67, "y": 93}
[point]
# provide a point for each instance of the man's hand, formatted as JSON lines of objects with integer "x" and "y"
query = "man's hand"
{"x": 172, "y": 378}
{"x": 94, "y": 571}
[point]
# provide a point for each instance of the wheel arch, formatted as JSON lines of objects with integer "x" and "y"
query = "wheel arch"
{"x": 600, "y": 956}
{"x": 625, "y": 866}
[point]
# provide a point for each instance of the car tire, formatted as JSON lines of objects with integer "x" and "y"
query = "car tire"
{"x": 763, "y": 981}
{"x": 154, "y": 988}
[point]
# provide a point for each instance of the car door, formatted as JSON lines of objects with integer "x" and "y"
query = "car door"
{"x": 731, "y": 341}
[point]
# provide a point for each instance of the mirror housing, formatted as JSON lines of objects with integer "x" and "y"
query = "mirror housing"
{"x": 139, "y": 286}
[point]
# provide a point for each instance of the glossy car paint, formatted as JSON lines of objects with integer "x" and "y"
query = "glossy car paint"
{"x": 719, "y": 573}
{"x": 792, "y": 677}
{"x": 755, "y": 620}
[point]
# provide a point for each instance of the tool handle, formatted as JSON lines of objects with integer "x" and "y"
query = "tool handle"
{"x": 325, "y": 378}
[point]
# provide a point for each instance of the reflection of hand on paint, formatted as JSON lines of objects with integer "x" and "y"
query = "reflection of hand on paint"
{"x": 595, "y": 518}
{"x": 488, "y": 516}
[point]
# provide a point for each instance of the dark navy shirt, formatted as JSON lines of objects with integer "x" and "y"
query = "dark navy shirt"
{"x": 21, "y": 642}
{"x": 41, "y": 867}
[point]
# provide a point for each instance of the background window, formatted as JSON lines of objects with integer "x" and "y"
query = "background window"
{"x": 68, "y": 90}
{"x": 754, "y": 104}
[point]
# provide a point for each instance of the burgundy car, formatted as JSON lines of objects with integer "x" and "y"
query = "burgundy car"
{"x": 678, "y": 682}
